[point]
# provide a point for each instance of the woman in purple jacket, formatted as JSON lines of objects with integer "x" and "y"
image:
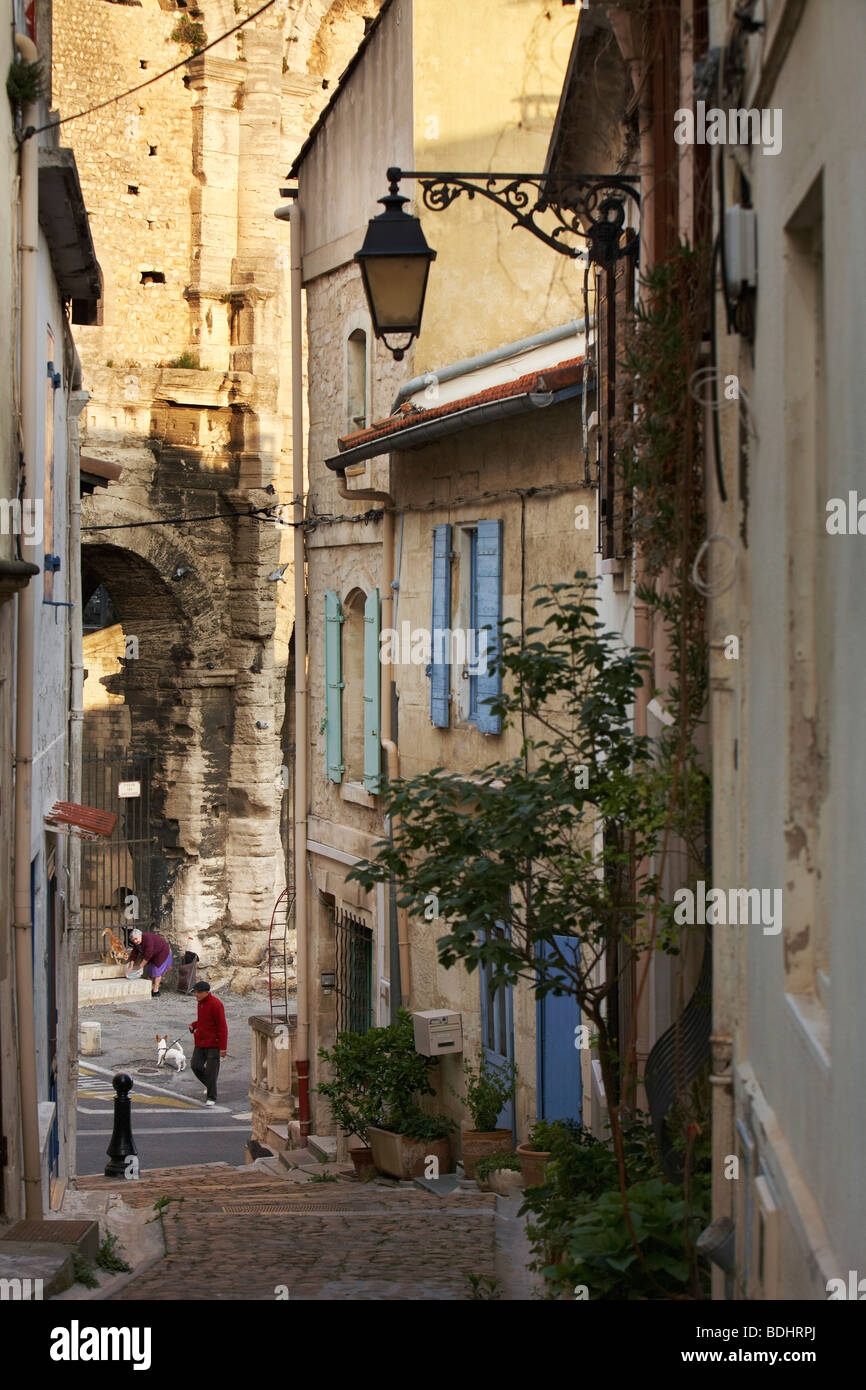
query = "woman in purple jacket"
{"x": 155, "y": 952}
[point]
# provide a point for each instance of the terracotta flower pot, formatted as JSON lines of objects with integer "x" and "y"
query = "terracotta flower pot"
{"x": 532, "y": 1163}
{"x": 362, "y": 1159}
{"x": 478, "y": 1143}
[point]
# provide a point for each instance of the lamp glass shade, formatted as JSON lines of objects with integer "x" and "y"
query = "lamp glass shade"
{"x": 395, "y": 287}
{"x": 395, "y": 261}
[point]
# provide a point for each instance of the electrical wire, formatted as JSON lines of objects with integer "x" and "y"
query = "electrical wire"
{"x": 723, "y": 583}
{"x": 699, "y": 379}
{"x": 176, "y": 521}
{"x": 314, "y": 521}
{"x": 52, "y": 125}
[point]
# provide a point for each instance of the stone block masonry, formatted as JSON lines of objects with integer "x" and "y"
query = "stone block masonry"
{"x": 187, "y": 371}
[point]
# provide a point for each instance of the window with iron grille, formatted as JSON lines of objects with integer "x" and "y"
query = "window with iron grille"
{"x": 354, "y": 973}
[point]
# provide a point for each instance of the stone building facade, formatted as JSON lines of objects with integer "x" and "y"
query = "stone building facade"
{"x": 188, "y": 375}
{"x": 405, "y": 102}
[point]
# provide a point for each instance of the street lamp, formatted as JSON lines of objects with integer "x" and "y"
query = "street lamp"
{"x": 395, "y": 258}
{"x": 395, "y": 262}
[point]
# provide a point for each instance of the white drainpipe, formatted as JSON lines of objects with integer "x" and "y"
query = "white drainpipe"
{"x": 23, "y": 920}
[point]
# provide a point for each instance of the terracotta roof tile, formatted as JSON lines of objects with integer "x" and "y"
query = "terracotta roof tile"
{"x": 548, "y": 379}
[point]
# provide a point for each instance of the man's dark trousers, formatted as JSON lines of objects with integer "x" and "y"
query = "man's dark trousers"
{"x": 205, "y": 1065}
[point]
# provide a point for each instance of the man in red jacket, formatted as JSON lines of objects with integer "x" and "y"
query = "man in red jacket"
{"x": 211, "y": 1040}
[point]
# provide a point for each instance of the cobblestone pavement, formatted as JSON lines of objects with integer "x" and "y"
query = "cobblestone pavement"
{"x": 242, "y": 1234}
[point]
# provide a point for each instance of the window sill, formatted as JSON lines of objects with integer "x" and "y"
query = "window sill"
{"x": 813, "y": 1022}
{"x": 357, "y": 792}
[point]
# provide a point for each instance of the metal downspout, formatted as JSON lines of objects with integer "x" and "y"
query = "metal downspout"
{"x": 23, "y": 918}
{"x": 77, "y": 401}
{"x": 301, "y": 798}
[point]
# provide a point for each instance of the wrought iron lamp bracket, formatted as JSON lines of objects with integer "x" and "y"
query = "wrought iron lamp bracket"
{"x": 592, "y": 207}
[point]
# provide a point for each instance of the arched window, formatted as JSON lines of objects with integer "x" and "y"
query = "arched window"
{"x": 356, "y": 379}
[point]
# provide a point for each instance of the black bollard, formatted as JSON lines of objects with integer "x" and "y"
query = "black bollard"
{"x": 122, "y": 1153}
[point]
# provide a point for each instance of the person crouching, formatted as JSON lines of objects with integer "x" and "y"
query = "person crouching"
{"x": 155, "y": 953}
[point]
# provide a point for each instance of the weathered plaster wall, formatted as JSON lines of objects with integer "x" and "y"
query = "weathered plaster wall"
{"x": 490, "y": 283}
{"x": 790, "y": 706}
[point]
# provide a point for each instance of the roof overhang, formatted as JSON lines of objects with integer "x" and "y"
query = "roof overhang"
{"x": 83, "y": 822}
{"x": 63, "y": 218}
{"x": 416, "y": 436}
{"x": 94, "y": 473}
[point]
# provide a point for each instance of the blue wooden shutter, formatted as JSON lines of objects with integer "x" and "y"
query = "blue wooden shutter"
{"x": 488, "y": 608}
{"x": 440, "y": 652}
{"x": 372, "y": 692}
{"x": 333, "y": 686}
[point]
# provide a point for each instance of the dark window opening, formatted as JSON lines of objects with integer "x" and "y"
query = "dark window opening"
{"x": 151, "y": 149}
{"x": 133, "y": 189}
{"x": 99, "y": 611}
{"x": 142, "y": 63}
{"x": 152, "y": 277}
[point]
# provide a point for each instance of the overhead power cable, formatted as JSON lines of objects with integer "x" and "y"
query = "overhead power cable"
{"x": 52, "y": 125}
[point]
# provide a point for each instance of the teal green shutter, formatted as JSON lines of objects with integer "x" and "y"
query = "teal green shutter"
{"x": 333, "y": 686}
{"x": 488, "y": 608}
{"x": 440, "y": 650}
{"x": 372, "y": 691}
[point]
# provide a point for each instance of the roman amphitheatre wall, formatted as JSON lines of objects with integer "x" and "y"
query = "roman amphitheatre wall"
{"x": 188, "y": 371}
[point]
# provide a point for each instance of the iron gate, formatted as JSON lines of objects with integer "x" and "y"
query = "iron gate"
{"x": 354, "y": 973}
{"x": 115, "y": 873}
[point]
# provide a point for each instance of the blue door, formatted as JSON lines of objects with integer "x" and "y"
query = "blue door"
{"x": 497, "y": 1028}
{"x": 560, "y": 1081}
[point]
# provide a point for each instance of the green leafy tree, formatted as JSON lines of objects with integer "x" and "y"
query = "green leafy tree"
{"x": 516, "y": 842}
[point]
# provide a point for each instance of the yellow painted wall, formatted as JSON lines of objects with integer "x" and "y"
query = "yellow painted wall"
{"x": 487, "y": 80}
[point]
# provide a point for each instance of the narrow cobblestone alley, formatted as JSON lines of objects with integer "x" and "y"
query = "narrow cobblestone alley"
{"x": 243, "y": 1235}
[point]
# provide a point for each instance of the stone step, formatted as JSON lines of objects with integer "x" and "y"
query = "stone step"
{"x": 323, "y": 1146}
{"x": 277, "y": 1138}
{"x": 35, "y": 1270}
{"x": 101, "y": 972}
{"x": 100, "y": 991}
{"x": 43, "y": 1251}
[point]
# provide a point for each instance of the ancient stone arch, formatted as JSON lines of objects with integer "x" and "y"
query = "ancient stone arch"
{"x": 189, "y": 377}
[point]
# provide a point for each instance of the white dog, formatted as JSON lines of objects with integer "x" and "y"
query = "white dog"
{"x": 173, "y": 1054}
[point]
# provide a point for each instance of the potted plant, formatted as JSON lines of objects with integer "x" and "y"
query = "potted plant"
{"x": 536, "y": 1151}
{"x": 488, "y": 1089}
{"x": 500, "y": 1173}
{"x": 404, "y": 1146}
{"x": 376, "y": 1080}
{"x": 351, "y": 1093}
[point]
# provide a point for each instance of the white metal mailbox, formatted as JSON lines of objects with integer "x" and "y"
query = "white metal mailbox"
{"x": 438, "y": 1032}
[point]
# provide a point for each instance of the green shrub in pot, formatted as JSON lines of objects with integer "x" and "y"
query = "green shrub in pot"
{"x": 488, "y": 1089}
{"x": 415, "y": 1124}
{"x": 376, "y": 1077}
{"x": 494, "y": 1163}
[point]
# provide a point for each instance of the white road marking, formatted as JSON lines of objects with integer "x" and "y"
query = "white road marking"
{"x": 194, "y": 1129}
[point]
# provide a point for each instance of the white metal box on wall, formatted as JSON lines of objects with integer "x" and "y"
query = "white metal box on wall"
{"x": 438, "y": 1032}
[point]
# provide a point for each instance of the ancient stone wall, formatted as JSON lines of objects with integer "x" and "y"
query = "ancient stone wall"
{"x": 189, "y": 375}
